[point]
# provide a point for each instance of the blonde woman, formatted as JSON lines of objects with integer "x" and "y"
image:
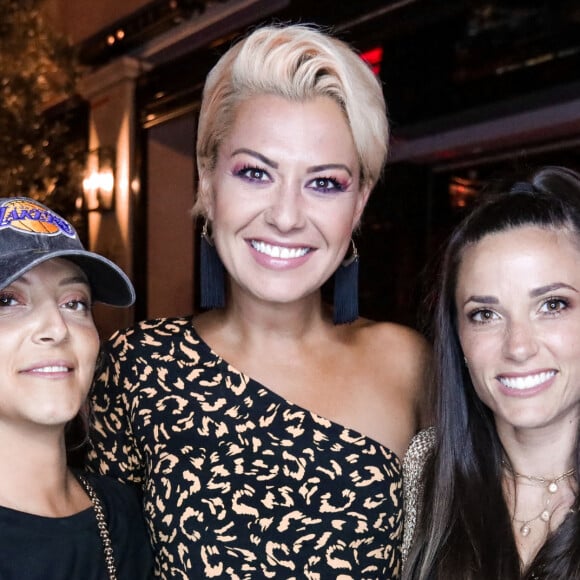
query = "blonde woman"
{"x": 266, "y": 432}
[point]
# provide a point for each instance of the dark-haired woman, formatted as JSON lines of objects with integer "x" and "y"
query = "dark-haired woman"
{"x": 500, "y": 496}
{"x": 56, "y": 523}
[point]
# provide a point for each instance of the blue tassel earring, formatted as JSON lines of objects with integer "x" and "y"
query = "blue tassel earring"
{"x": 212, "y": 283}
{"x": 346, "y": 289}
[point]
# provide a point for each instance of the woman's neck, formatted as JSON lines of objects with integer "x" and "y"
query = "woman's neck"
{"x": 249, "y": 317}
{"x": 539, "y": 482}
{"x": 35, "y": 477}
{"x": 540, "y": 452}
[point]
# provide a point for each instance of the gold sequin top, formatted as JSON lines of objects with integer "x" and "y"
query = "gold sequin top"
{"x": 414, "y": 461}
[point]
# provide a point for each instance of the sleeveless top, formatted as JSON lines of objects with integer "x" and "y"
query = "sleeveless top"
{"x": 238, "y": 482}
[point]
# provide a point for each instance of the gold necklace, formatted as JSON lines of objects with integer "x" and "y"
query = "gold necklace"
{"x": 551, "y": 484}
{"x": 101, "y": 525}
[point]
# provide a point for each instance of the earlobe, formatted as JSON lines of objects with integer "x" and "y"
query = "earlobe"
{"x": 209, "y": 211}
{"x": 205, "y": 193}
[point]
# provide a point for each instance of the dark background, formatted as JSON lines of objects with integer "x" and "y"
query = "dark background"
{"x": 447, "y": 65}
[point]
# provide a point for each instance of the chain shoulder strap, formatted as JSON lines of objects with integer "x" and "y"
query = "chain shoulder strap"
{"x": 102, "y": 526}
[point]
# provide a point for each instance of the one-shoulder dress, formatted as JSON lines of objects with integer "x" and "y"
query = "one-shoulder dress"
{"x": 237, "y": 482}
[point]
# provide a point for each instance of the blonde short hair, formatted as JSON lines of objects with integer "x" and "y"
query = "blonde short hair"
{"x": 297, "y": 62}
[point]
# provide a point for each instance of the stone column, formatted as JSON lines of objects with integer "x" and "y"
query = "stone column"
{"x": 110, "y": 92}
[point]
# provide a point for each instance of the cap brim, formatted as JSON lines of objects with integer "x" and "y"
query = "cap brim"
{"x": 109, "y": 284}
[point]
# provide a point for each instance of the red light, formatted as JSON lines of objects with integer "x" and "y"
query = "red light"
{"x": 374, "y": 58}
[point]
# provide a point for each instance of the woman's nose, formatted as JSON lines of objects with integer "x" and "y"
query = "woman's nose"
{"x": 286, "y": 211}
{"x": 50, "y": 325}
{"x": 520, "y": 341}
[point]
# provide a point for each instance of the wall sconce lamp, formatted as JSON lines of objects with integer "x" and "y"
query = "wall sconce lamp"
{"x": 99, "y": 180}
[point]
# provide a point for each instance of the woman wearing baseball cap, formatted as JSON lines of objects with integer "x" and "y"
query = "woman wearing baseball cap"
{"x": 56, "y": 522}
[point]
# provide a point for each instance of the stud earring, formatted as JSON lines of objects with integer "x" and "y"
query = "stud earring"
{"x": 346, "y": 289}
{"x": 212, "y": 276}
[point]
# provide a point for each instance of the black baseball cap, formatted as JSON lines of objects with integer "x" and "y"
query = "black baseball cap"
{"x": 31, "y": 233}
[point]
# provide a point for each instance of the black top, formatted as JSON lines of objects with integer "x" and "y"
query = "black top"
{"x": 41, "y": 548}
{"x": 239, "y": 483}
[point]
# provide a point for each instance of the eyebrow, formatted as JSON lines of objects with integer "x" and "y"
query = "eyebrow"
{"x": 317, "y": 168}
{"x": 274, "y": 165}
{"x": 550, "y": 288}
{"x": 257, "y": 155}
{"x": 481, "y": 299}
{"x": 534, "y": 293}
{"x": 74, "y": 280}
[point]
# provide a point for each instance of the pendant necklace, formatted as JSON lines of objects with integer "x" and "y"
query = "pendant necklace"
{"x": 549, "y": 484}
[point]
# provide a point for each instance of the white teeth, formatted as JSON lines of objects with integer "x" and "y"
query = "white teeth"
{"x": 522, "y": 383}
{"x": 279, "y": 251}
{"x": 51, "y": 370}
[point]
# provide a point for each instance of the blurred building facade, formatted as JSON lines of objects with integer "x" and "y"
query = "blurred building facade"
{"x": 474, "y": 88}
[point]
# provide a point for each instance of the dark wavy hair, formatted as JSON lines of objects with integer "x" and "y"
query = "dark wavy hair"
{"x": 465, "y": 531}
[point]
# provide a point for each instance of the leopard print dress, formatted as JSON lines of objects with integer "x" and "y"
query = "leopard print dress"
{"x": 237, "y": 482}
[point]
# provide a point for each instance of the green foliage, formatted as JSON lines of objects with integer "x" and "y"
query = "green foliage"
{"x": 38, "y": 70}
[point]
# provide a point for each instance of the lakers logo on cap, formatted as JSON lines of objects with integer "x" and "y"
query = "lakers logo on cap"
{"x": 29, "y": 216}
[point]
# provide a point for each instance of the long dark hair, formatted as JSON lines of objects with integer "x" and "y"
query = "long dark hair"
{"x": 465, "y": 530}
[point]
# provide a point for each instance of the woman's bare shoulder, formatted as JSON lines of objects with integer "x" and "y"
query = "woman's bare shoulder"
{"x": 402, "y": 360}
{"x": 401, "y": 342}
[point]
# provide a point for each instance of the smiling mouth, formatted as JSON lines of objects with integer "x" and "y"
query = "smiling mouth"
{"x": 528, "y": 382}
{"x": 279, "y": 251}
{"x": 51, "y": 369}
